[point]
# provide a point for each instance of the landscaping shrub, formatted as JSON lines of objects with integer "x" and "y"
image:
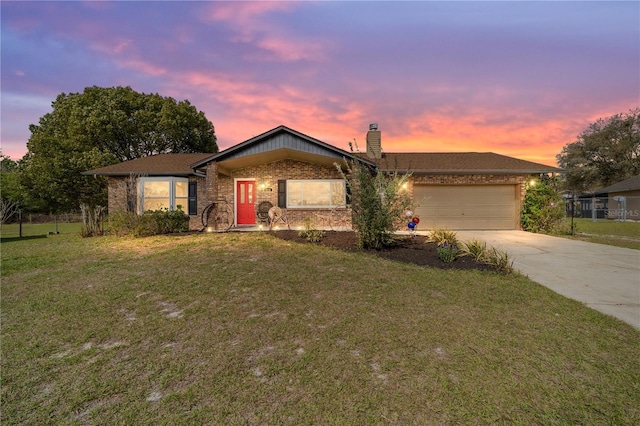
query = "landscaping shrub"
{"x": 491, "y": 256}
{"x": 447, "y": 252}
{"x": 310, "y": 233}
{"x": 378, "y": 201}
{"x": 476, "y": 249}
{"x": 169, "y": 221}
{"x": 123, "y": 223}
{"x": 441, "y": 236}
{"x": 543, "y": 207}
{"x": 500, "y": 260}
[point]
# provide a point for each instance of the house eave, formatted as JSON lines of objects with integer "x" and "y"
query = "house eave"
{"x": 277, "y": 155}
{"x": 127, "y": 174}
{"x": 615, "y": 191}
{"x": 481, "y": 172}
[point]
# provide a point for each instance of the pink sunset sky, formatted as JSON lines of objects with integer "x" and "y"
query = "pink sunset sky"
{"x": 517, "y": 78}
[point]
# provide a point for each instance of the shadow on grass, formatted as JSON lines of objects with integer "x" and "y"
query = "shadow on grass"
{"x": 28, "y": 237}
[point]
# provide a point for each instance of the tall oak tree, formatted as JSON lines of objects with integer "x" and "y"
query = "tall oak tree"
{"x": 608, "y": 151}
{"x": 103, "y": 126}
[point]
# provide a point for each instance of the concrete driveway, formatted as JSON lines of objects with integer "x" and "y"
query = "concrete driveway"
{"x": 605, "y": 278}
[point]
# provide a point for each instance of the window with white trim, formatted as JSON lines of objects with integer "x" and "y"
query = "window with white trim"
{"x": 157, "y": 193}
{"x": 325, "y": 193}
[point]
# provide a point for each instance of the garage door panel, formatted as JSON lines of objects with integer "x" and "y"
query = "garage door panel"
{"x": 467, "y": 206}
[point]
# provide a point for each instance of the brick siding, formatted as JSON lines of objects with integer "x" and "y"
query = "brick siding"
{"x": 117, "y": 198}
{"x": 267, "y": 176}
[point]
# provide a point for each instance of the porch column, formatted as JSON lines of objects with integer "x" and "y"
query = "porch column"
{"x": 212, "y": 182}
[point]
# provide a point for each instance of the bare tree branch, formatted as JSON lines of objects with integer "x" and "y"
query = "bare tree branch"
{"x": 7, "y": 209}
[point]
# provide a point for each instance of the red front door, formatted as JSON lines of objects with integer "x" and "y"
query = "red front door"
{"x": 245, "y": 202}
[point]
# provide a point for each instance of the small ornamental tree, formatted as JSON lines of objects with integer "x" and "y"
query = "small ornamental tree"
{"x": 543, "y": 207}
{"x": 378, "y": 201}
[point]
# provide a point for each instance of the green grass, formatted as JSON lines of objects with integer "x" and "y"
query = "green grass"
{"x": 610, "y": 232}
{"x": 10, "y": 232}
{"x": 243, "y": 328}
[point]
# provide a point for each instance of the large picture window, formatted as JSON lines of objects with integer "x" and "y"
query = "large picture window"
{"x": 163, "y": 193}
{"x": 316, "y": 193}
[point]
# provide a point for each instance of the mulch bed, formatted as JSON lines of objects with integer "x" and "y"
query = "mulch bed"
{"x": 410, "y": 249}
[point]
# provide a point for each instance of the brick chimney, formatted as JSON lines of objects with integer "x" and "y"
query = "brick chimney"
{"x": 374, "y": 142}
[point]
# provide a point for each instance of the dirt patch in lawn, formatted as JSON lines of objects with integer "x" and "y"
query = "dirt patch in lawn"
{"x": 410, "y": 249}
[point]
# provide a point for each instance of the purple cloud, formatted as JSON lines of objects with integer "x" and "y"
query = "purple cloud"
{"x": 518, "y": 78}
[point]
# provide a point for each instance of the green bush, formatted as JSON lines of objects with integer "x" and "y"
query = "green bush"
{"x": 476, "y": 249}
{"x": 310, "y": 233}
{"x": 441, "y": 236}
{"x": 447, "y": 252}
{"x": 123, "y": 223}
{"x": 543, "y": 207}
{"x": 379, "y": 202}
{"x": 168, "y": 221}
{"x": 490, "y": 256}
{"x": 500, "y": 260}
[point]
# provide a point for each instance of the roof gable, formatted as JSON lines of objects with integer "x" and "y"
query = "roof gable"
{"x": 278, "y": 143}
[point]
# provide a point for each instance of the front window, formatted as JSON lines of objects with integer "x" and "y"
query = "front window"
{"x": 163, "y": 193}
{"x": 316, "y": 193}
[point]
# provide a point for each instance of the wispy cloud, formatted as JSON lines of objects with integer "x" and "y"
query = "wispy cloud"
{"x": 516, "y": 78}
{"x": 249, "y": 23}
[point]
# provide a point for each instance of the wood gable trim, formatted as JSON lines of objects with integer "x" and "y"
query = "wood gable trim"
{"x": 280, "y": 138}
{"x": 283, "y": 140}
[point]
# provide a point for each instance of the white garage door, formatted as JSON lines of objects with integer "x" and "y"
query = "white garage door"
{"x": 467, "y": 206}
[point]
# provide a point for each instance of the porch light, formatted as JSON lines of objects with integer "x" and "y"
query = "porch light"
{"x": 532, "y": 182}
{"x": 404, "y": 185}
{"x": 262, "y": 186}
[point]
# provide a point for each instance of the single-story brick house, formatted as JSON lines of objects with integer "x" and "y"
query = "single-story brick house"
{"x": 297, "y": 172}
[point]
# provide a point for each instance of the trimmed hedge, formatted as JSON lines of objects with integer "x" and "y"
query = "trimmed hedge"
{"x": 123, "y": 223}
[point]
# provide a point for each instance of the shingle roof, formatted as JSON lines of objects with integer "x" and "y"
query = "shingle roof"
{"x": 416, "y": 162}
{"x": 630, "y": 184}
{"x": 460, "y": 162}
{"x": 156, "y": 165}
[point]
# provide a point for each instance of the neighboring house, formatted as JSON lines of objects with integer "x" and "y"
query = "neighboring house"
{"x": 587, "y": 204}
{"x": 298, "y": 173}
{"x": 623, "y": 199}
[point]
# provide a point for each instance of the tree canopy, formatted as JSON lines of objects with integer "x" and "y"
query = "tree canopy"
{"x": 608, "y": 151}
{"x": 103, "y": 126}
{"x": 10, "y": 193}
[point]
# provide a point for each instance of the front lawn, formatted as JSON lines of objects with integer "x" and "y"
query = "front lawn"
{"x": 245, "y": 328}
{"x": 610, "y": 232}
